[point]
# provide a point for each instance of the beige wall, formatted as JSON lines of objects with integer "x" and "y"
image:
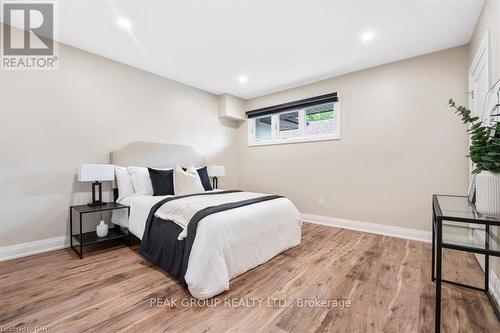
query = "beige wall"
{"x": 489, "y": 20}
{"x": 52, "y": 121}
{"x": 400, "y": 144}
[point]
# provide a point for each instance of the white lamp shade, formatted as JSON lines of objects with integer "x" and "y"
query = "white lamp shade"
{"x": 96, "y": 172}
{"x": 216, "y": 171}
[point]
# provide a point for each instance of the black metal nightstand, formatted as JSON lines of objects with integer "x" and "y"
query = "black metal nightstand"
{"x": 90, "y": 238}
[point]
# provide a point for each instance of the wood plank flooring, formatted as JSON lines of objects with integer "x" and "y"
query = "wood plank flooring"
{"x": 387, "y": 281}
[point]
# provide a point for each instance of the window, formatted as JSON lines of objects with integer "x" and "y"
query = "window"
{"x": 289, "y": 125}
{"x": 301, "y": 123}
{"x": 263, "y": 129}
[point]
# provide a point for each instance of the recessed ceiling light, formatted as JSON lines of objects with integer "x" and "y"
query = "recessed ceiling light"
{"x": 124, "y": 23}
{"x": 243, "y": 79}
{"x": 367, "y": 36}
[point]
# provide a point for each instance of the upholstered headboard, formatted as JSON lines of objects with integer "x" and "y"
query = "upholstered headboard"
{"x": 156, "y": 155}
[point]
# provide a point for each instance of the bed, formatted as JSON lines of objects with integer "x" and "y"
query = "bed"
{"x": 229, "y": 231}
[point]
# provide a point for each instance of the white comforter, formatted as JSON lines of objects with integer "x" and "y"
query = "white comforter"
{"x": 231, "y": 242}
{"x": 182, "y": 211}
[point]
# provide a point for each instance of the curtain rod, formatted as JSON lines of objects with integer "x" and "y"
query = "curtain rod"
{"x": 311, "y": 101}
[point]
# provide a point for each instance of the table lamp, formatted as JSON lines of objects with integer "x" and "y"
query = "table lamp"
{"x": 96, "y": 173}
{"x": 216, "y": 171}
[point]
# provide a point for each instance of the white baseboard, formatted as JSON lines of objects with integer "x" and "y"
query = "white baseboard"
{"x": 35, "y": 247}
{"x": 56, "y": 243}
{"x": 374, "y": 228}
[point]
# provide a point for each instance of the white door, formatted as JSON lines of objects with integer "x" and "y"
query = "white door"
{"x": 478, "y": 89}
{"x": 479, "y": 80}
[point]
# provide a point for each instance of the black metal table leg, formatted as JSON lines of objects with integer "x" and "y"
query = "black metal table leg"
{"x": 71, "y": 231}
{"x": 439, "y": 239}
{"x": 71, "y": 227}
{"x": 81, "y": 238}
{"x": 433, "y": 270}
{"x": 128, "y": 229}
{"x": 487, "y": 259}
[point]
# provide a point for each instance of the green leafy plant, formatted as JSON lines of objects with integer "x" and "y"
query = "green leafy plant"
{"x": 320, "y": 116}
{"x": 484, "y": 149}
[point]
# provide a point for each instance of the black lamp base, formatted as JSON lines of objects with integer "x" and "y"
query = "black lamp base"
{"x": 97, "y": 203}
{"x": 96, "y": 197}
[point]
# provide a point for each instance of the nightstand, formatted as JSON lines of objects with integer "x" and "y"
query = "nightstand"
{"x": 81, "y": 239}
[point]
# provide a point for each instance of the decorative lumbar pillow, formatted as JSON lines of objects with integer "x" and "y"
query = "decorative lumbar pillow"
{"x": 187, "y": 182}
{"x": 124, "y": 183}
{"x": 141, "y": 180}
{"x": 162, "y": 181}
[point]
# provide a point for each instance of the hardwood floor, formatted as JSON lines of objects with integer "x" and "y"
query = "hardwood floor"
{"x": 387, "y": 281}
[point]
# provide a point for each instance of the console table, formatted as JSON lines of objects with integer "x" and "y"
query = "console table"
{"x": 454, "y": 221}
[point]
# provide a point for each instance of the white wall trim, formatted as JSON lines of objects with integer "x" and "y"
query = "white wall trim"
{"x": 374, "y": 228}
{"x": 31, "y": 248}
{"x": 56, "y": 243}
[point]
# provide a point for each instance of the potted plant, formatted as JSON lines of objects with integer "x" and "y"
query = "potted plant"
{"x": 484, "y": 151}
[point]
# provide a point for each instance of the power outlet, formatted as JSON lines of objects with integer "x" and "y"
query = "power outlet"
{"x": 321, "y": 202}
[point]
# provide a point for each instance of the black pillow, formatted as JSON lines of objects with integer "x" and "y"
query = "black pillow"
{"x": 162, "y": 181}
{"x": 205, "y": 180}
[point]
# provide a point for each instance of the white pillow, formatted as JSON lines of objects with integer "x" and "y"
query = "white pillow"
{"x": 141, "y": 180}
{"x": 187, "y": 182}
{"x": 124, "y": 183}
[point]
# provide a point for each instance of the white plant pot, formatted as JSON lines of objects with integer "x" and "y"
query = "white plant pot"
{"x": 102, "y": 229}
{"x": 488, "y": 193}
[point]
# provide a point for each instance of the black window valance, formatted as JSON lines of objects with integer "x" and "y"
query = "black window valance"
{"x": 311, "y": 101}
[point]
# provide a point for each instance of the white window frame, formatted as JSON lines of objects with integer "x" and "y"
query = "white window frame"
{"x": 277, "y": 140}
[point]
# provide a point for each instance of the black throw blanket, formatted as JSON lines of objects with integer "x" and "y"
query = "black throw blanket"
{"x": 160, "y": 245}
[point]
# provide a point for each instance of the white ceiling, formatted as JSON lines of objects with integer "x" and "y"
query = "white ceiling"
{"x": 276, "y": 44}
